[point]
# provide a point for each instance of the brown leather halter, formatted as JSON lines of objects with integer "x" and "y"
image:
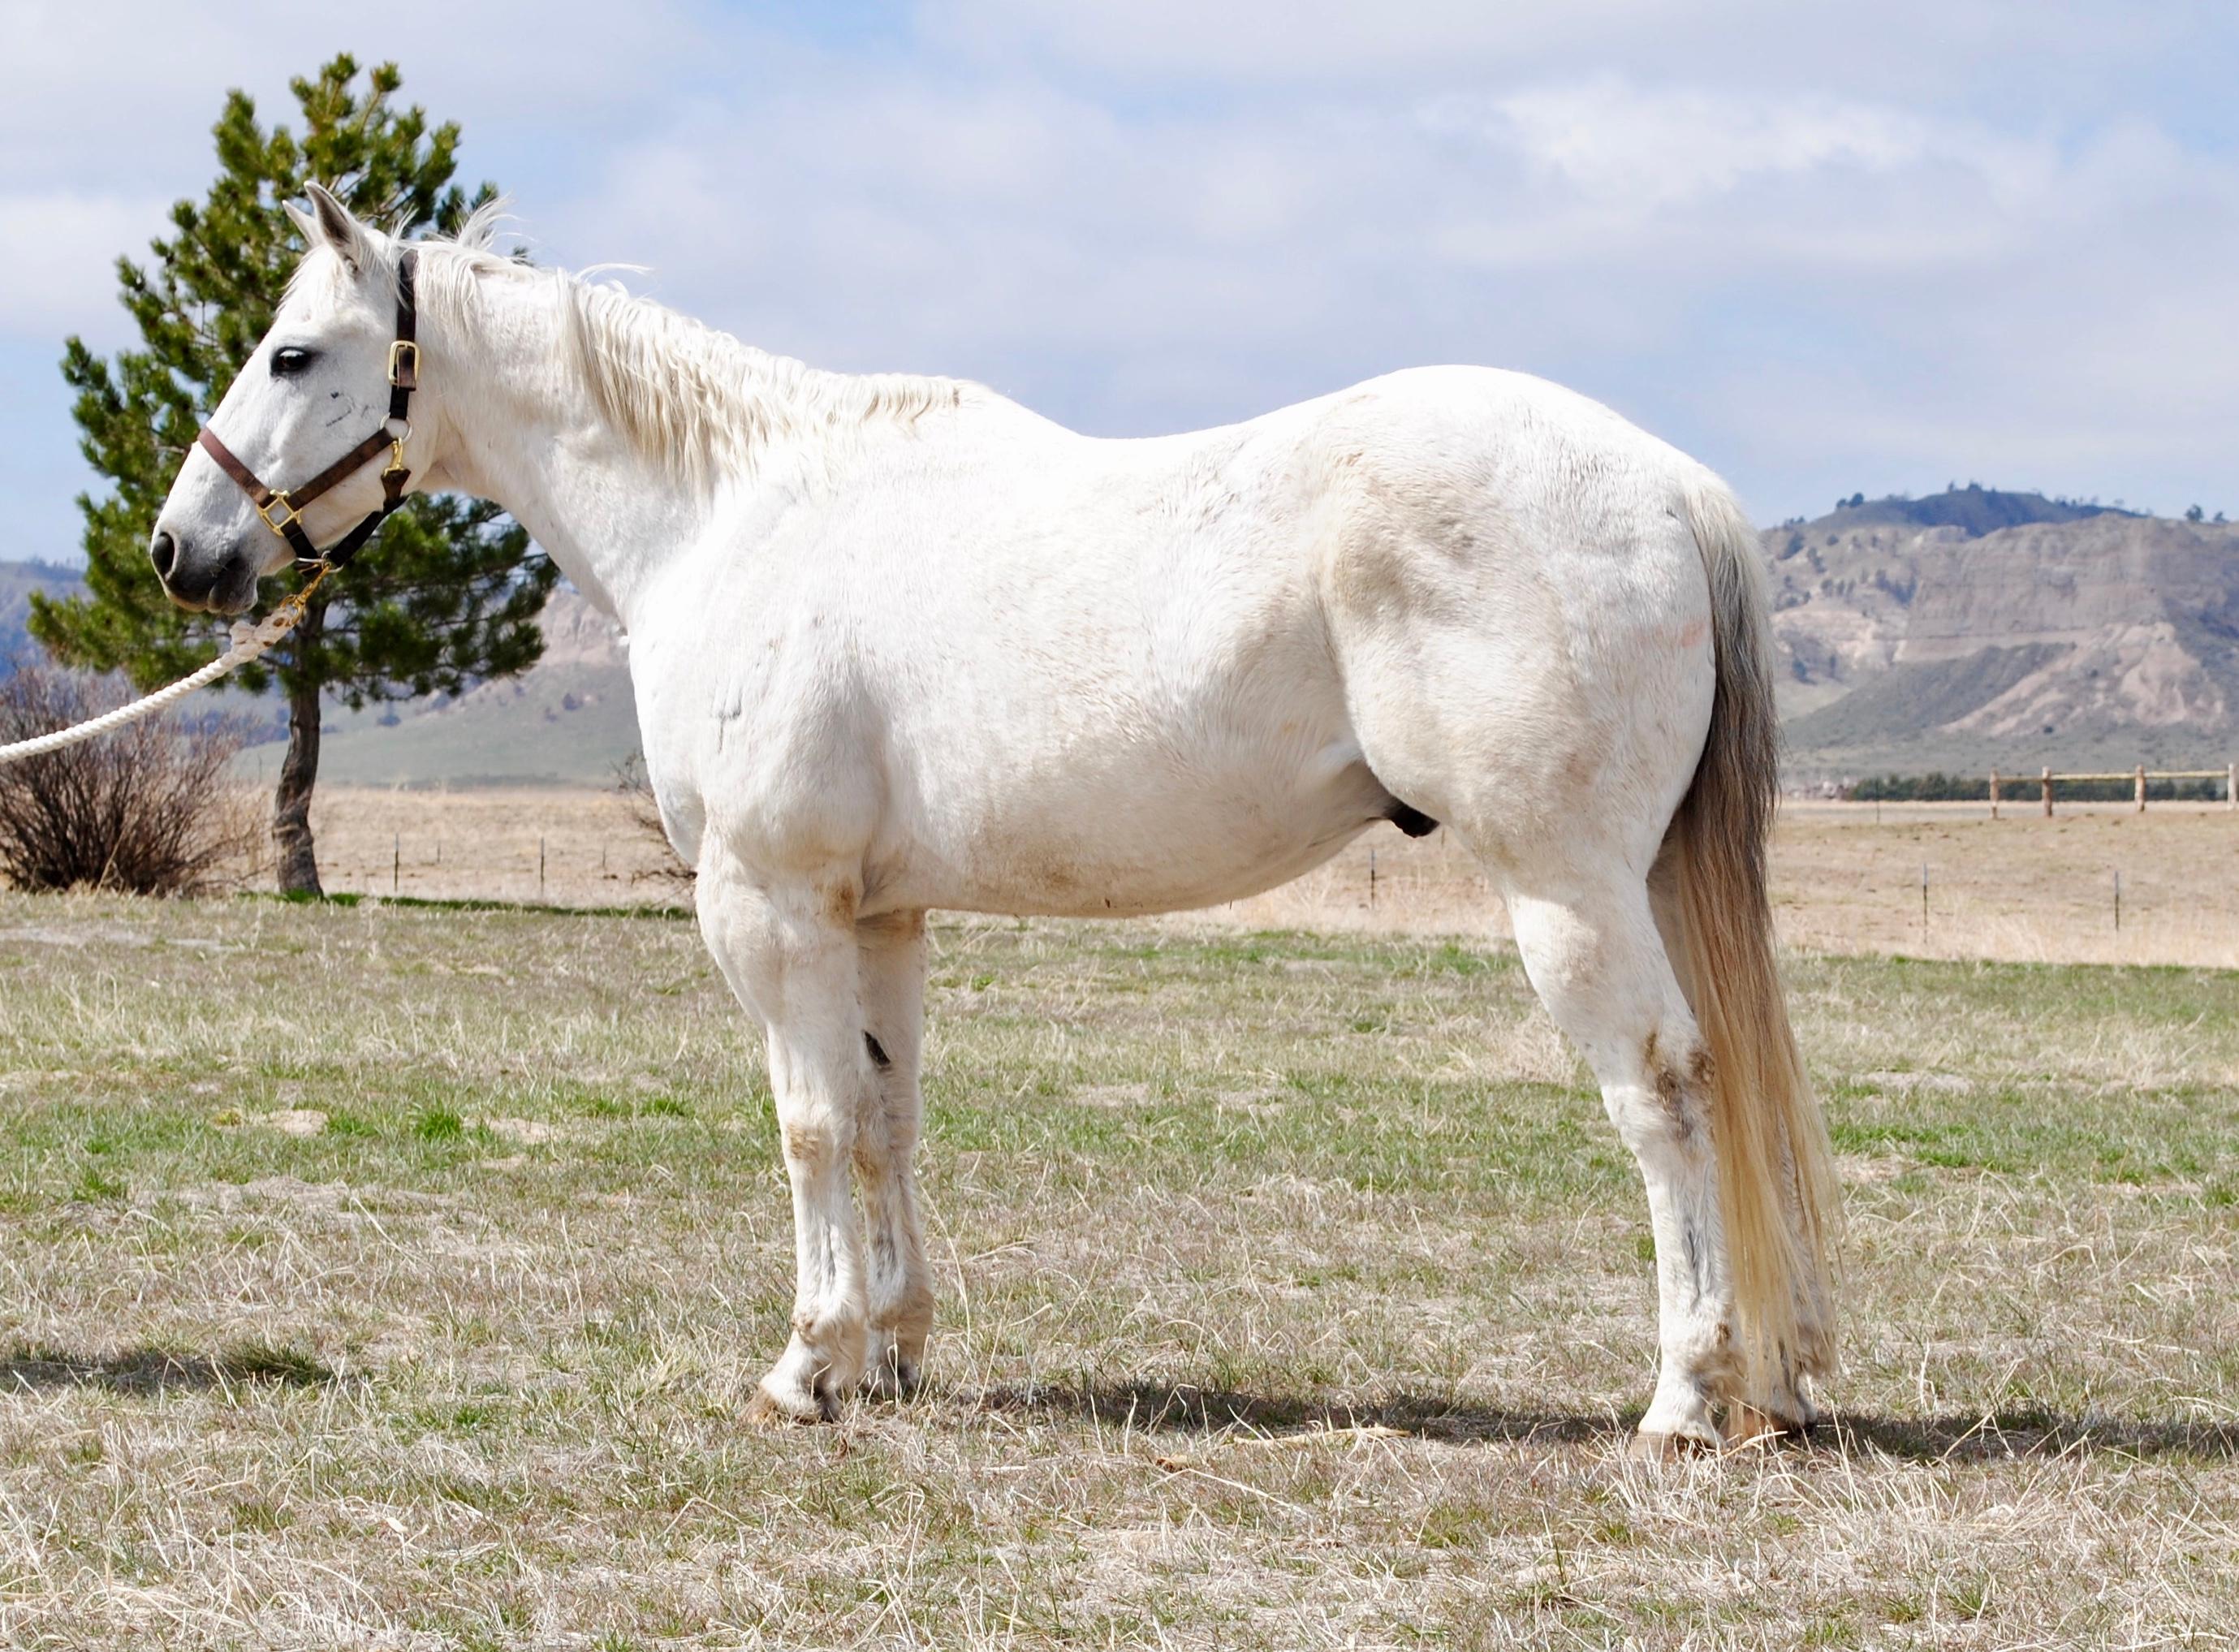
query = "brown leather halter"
{"x": 282, "y": 508}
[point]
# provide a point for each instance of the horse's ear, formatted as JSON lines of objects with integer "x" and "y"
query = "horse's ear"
{"x": 336, "y": 226}
{"x": 304, "y": 226}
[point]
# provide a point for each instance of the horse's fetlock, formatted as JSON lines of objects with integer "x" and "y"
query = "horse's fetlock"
{"x": 835, "y": 1322}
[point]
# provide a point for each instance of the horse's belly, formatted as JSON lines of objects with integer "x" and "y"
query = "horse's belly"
{"x": 1113, "y": 848}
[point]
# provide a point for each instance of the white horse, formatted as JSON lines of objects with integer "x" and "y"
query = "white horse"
{"x": 900, "y": 644}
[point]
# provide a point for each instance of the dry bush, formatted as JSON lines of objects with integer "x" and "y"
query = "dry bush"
{"x": 151, "y": 808}
{"x": 635, "y": 787}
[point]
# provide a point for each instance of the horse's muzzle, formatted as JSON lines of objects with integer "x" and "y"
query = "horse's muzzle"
{"x": 213, "y": 584}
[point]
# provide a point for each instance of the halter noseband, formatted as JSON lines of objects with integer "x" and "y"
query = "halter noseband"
{"x": 282, "y": 508}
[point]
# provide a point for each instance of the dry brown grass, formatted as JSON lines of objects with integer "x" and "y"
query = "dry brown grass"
{"x": 484, "y": 844}
{"x": 1846, "y": 877}
{"x": 2022, "y": 888}
{"x": 394, "y": 1277}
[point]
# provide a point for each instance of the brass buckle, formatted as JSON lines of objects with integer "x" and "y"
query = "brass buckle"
{"x": 404, "y": 364}
{"x": 287, "y": 518}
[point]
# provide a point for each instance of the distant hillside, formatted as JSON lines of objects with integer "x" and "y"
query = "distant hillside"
{"x": 569, "y": 718}
{"x": 1978, "y": 627}
{"x": 1966, "y": 629}
{"x": 17, "y": 581}
{"x": 1974, "y": 510}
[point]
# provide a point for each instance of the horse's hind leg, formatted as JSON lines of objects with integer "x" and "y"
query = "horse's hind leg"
{"x": 1590, "y": 946}
{"x": 900, "y": 1289}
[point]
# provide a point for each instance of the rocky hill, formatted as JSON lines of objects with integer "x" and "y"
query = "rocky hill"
{"x": 1977, "y": 628}
{"x": 1964, "y": 630}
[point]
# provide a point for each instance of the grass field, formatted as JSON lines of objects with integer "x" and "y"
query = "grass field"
{"x": 390, "y": 1277}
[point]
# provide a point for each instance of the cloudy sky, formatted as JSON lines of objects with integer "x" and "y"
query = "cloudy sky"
{"x": 1826, "y": 248}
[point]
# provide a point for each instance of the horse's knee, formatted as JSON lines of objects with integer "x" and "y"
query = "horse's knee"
{"x": 814, "y": 1146}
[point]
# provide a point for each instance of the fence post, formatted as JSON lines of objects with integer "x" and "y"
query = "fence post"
{"x": 2141, "y": 788}
{"x": 1994, "y": 794}
{"x": 2046, "y": 782}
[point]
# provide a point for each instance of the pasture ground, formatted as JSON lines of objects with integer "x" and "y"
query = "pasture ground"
{"x": 1846, "y": 877}
{"x": 394, "y": 1276}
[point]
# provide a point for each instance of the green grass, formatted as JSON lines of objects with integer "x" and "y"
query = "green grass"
{"x": 396, "y": 1275}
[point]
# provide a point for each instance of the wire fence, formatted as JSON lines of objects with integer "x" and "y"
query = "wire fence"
{"x": 1847, "y": 877}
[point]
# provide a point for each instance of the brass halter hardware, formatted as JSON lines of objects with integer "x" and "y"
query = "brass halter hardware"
{"x": 282, "y": 508}
{"x": 279, "y": 514}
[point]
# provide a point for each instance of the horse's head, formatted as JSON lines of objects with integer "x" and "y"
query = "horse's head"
{"x": 317, "y": 386}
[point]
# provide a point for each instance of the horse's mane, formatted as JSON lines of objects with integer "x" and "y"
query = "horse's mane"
{"x": 691, "y": 398}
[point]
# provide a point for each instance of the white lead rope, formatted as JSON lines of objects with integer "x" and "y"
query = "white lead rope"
{"x": 249, "y": 641}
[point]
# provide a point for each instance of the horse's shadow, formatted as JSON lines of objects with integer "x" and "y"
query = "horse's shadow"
{"x": 1183, "y": 1410}
{"x": 154, "y": 1370}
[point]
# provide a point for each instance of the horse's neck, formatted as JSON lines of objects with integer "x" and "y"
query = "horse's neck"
{"x": 525, "y": 433}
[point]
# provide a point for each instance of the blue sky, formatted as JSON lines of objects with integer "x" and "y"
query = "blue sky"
{"x": 1825, "y": 249}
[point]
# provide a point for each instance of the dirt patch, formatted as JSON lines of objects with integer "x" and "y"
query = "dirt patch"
{"x": 1912, "y": 1083}
{"x": 77, "y": 935}
{"x": 294, "y": 1121}
{"x": 1864, "y": 1170}
{"x": 1114, "y": 1098}
{"x": 536, "y": 1132}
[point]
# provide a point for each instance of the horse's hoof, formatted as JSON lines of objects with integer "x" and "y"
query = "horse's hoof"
{"x": 890, "y": 1379}
{"x": 1663, "y": 1449}
{"x": 773, "y": 1407}
{"x": 1747, "y": 1425}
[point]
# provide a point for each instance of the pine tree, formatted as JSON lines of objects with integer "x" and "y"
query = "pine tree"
{"x": 447, "y": 592}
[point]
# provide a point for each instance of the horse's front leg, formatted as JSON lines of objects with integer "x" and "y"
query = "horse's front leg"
{"x": 788, "y": 950}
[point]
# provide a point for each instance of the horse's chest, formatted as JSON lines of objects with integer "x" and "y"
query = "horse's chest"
{"x": 774, "y": 755}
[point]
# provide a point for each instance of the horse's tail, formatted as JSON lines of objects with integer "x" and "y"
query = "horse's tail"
{"x": 1775, "y": 1178}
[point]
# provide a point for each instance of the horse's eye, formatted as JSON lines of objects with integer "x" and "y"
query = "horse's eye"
{"x": 287, "y": 363}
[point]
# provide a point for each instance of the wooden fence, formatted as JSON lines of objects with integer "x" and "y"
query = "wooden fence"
{"x": 2046, "y": 779}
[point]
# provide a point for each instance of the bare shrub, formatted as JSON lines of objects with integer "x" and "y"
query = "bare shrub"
{"x": 151, "y": 808}
{"x": 636, "y": 788}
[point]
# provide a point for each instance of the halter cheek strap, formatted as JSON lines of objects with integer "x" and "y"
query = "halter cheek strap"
{"x": 282, "y": 508}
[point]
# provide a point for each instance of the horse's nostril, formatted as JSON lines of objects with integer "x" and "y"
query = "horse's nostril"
{"x": 164, "y": 553}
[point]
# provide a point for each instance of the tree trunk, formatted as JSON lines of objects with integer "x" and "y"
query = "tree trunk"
{"x": 291, "y": 807}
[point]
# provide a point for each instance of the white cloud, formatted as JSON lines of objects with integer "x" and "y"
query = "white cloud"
{"x": 2067, "y": 51}
{"x": 1616, "y": 143}
{"x": 63, "y": 252}
{"x": 1811, "y": 245}
{"x": 122, "y": 94}
{"x": 1278, "y": 40}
